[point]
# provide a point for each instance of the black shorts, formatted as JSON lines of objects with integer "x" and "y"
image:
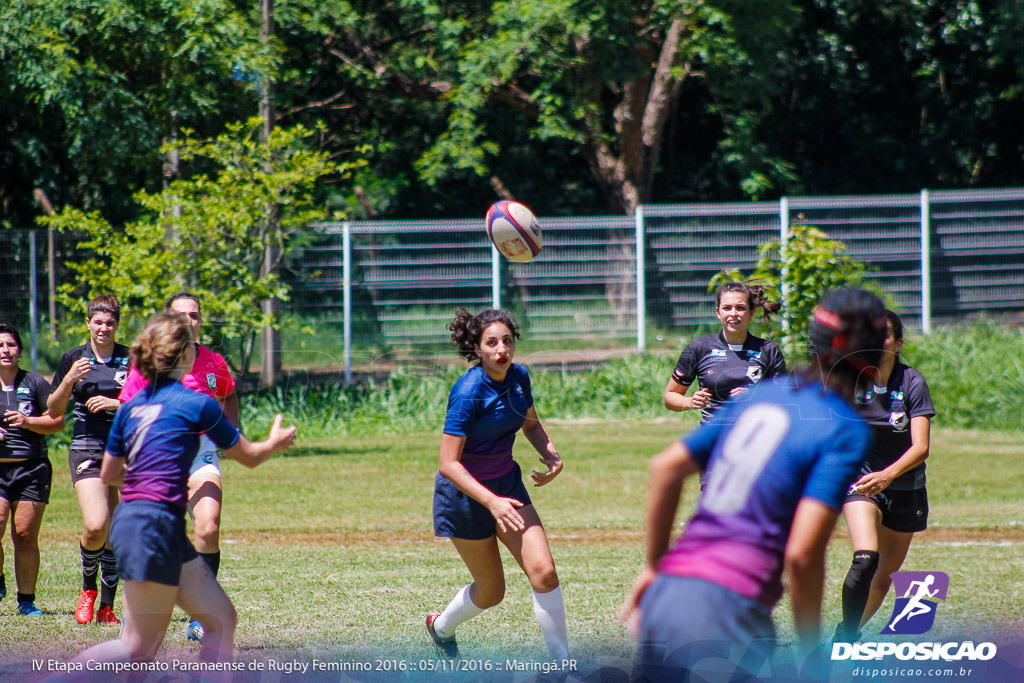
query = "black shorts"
{"x": 26, "y": 480}
{"x": 149, "y": 541}
{"x": 903, "y": 511}
{"x": 84, "y": 464}
{"x": 456, "y": 515}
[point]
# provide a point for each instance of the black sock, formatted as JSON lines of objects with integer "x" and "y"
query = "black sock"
{"x": 90, "y": 567}
{"x": 212, "y": 561}
{"x": 110, "y": 578}
{"x": 856, "y": 588}
{"x": 3, "y": 582}
{"x": 26, "y": 597}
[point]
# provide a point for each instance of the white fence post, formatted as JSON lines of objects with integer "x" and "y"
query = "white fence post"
{"x": 641, "y": 283}
{"x": 33, "y": 310}
{"x": 926, "y": 263}
{"x": 783, "y": 243}
{"x": 495, "y": 278}
{"x": 346, "y": 250}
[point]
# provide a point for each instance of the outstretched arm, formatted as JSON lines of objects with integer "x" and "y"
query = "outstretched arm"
{"x": 805, "y": 564}
{"x": 535, "y": 433}
{"x": 254, "y": 453}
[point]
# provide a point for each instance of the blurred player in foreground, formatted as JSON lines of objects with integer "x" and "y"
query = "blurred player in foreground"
{"x": 780, "y": 465}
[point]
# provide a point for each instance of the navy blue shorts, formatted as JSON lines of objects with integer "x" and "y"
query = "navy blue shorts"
{"x": 456, "y": 515}
{"x": 27, "y": 480}
{"x": 690, "y": 629}
{"x": 902, "y": 511}
{"x": 149, "y": 541}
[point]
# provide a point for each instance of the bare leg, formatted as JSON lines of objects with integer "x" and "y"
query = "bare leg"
{"x": 94, "y": 502}
{"x": 26, "y": 518}
{"x": 204, "y": 501}
{"x": 203, "y": 598}
{"x": 147, "y": 613}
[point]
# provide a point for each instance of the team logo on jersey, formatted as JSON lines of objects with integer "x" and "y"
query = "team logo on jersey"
{"x": 899, "y": 421}
{"x": 519, "y": 390}
{"x": 914, "y": 613}
{"x": 120, "y": 376}
{"x": 718, "y": 353}
{"x": 25, "y": 408}
{"x": 211, "y": 380}
{"x": 754, "y": 373}
{"x": 83, "y": 466}
{"x": 753, "y": 355}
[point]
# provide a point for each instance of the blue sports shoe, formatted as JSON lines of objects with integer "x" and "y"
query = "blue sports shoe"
{"x": 3, "y": 593}
{"x": 195, "y": 631}
{"x": 29, "y": 609}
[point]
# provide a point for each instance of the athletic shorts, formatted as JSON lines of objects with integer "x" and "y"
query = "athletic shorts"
{"x": 150, "y": 542}
{"x": 84, "y": 464}
{"x": 903, "y": 511}
{"x": 691, "y": 628}
{"x": 27, "y": 480}
{"x": 456, "y": 515}
{"x": 207, "y": 461}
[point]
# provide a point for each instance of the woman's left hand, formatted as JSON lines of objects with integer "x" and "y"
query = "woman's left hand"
{"x": 96, "y": 404}
{"x": 554, "y": 465}
{"x": 14, "y": 419}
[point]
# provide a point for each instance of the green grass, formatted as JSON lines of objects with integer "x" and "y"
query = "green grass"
{"x": 328, "y": 551}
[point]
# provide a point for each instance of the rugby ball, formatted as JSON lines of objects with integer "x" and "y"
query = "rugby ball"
{"x": 514, "y": 230}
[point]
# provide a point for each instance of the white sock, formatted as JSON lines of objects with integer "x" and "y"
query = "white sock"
{"x": 550, "y": 612}
{"x": 460, "y": 610}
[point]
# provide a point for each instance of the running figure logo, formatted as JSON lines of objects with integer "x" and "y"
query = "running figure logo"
{"x": 914, "y": 612}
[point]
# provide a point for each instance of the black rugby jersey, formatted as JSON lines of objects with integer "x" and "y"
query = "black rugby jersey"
{"x": 721, "y": 369}
{"x": 888, "y": 410}
{"x": 105, "y": 379}
{"x": 28, "y": 396}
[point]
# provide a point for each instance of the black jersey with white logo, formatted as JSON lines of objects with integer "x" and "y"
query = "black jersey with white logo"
{"x": 105, "y": 379}
{"x": 889, "y": 410}
{"x": 27, "y": 396}
{"x": 721, "y": 368}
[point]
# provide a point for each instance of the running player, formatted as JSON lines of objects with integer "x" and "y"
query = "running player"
{"x": 727, "y": 363}
{"x": 888, "y": 504}
{"x": 93, "y": 374}
{"x": 479, "y": 496}
{"x": 780, "y": 465}
{"x": 153, "y": 441}
{"x": 25, "y": 471}
{"x": 210, "y": 376}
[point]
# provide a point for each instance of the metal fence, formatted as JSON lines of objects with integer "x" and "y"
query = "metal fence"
{"x": 942, "y": 256}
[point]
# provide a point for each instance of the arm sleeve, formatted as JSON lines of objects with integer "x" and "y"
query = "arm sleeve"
{"x": 918, "y": 399}
{"x": 777, "y": 362}
{"x": 838, "y": 465}
{"x": 62, "y": 370}
{"x": 527, "y": 387}
{"x": 686, "y": 367}
{"x": 115, "y": 440}
{"x": 215, "y": 424}
{"x": 461, "y": 411}
{"x": 701, "y": 441}
{"x": 132, "y": 385}
{"x": 41, "y": 392}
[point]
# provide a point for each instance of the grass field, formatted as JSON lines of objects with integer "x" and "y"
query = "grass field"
{"x": 328, "y": 551}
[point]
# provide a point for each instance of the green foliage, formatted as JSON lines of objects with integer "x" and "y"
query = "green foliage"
{"x": 219, "y": 236}
{"x": 799, "y": 274}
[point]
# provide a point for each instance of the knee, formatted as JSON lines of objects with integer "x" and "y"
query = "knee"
{"x": 488, "y": 596}
{"x": 224, "y": 622}
{"x": 25, "y": 539}
{"x": 863, "y": 569}
{"x": 94, "y": 535}
{"x": 544, "y": 579}
{"x": 208, "y": 529}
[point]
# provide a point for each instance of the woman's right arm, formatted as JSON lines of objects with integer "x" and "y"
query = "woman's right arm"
{"x": 254, "y": 453}
{"x": 57, "y": 403}
{"x": 503, "y": 509}
{"x": 676, "y": 399}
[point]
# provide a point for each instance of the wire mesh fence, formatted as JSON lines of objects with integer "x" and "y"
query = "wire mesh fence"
{"x": 390, "y": 287}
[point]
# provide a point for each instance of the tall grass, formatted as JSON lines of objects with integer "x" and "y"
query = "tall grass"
{"x": 975, "y": 373}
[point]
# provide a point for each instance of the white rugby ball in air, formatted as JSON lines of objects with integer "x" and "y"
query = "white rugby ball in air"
{"x": 514, "y": 230}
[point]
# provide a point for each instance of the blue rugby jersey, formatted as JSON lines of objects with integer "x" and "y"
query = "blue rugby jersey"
{"x": 488, "y": 413}
{"x": 157, "y": 432}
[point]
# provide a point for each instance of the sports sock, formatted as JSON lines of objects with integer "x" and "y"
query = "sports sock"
{"x": 460, "y": 610}
{"x": 26, "y": 597}
{"x": 212, "y": 561}
{"x": 856, "y": 589}
{"x": 90, "y": 566}
{"x": 110, "y": 578}
{"x": 550, "y": 612}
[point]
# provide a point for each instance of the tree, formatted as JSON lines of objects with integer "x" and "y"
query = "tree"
{"x": 222, "y": 231}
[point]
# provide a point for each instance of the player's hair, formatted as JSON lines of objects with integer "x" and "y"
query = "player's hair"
{"x": 184, "y": 295}
{"x": 847, "y": 334}
{"x": 13, "y": 331}
{"x": 158, "y": 349}
{"x": 756, "y": 298}
{"x": 467, "y": 329}
{"x": 894, "y": 321}
{"x": 104, "y": 303}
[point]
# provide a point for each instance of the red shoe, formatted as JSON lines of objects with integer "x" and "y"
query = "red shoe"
{"x": 106, "y": 616}
{"x": 83, "y": 613}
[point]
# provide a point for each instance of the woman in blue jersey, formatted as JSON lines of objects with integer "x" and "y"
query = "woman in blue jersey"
{"x": 780, "y": 464}
{"x": 888, "y": 504}
{"x": 729, "y": 362}
{"x": 25, "y": 471}
{"x": 153, "y": 441}
{"x": 93, "y": 374}
{"x": 479, "y": 496}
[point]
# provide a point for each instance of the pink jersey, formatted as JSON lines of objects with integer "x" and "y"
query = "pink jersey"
{"x": 210, "y": 376}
